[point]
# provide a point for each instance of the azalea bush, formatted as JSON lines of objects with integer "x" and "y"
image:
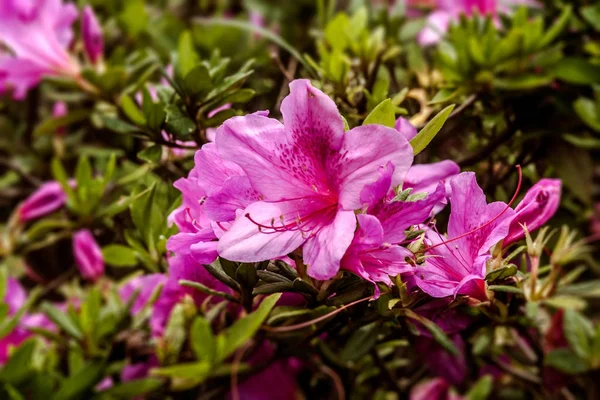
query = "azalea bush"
{"x": 299, "y": 200}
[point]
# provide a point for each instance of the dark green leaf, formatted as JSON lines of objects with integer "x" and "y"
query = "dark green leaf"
{"x": 151, "y": 154}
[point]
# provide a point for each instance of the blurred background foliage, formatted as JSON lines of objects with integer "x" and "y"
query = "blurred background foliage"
{"x": 525, "y": 93}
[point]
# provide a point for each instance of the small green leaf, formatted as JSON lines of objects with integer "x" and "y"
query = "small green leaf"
{"x": 51, "y": 125}
{"x": 557, "y": 27}
{"x": 202, "y": 340}
{"x": 482, "y": 388}
{"x": 119, "y": 255}
{"x": 130, "y": 108}
{"x": 244, "y": 329}
{"x": 177, "y": 122}
{"x": 151, "y": 154}
{"x": 19, "y": 365}
{"x": 360, "y": 343}
{"x": 566, "y": 361}
{"x": 82, "y": 382}
{"x": 63, "y": 320}
{"x": 426, "y": 135}
{"x": 187, "y": 58}
{"x": 197, "y": 81}
{"x": 501, "y": 273}
{"x": 134, "y": 389}
{"x": 507, "y": 289}
{"x": 577, "y": 71}
{"x": 578, "y": 332}
{"x": 383, "y": 114}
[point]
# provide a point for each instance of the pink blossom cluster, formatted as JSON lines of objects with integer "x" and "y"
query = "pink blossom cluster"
{"x": 36, "y": 39}
{"x": 446, "y": 12}
{"x": 265, "y": 190}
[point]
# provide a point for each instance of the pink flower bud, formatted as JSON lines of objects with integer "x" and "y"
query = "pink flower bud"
{"x": 537, "y": 207}
{"x": 91, "y": 31}
{"x": 48, "y": 198}
{"x": 405, "y": 128}
{"x": 88, "y": 255}
{"x": 60, "y": 110}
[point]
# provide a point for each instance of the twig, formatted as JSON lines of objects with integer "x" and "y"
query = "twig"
{"x": 470, "y": 100}
{"x": 289, "y": 74}
{"x": 486, "y": 151}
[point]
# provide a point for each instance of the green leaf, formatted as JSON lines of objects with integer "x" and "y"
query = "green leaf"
{"x": 578, "y": 332}
{"x": 134, "y": 17}
{"x": 130, "y": 108}
{"x": 118, "y": 125}
{"x": 205, "y": 289}
{"x": 134, "y": 389}
{"x": 82, "y": 382}
{"x": 62, "y": 319}
{"x": 187, "y": 58}
{"x": 335, "y": 32}
{"x": 246, "y": 275}
{"x": 588, "y": 143}
{"x": 187, "y": 375}
{"x": 482, "y": 388}
{"x": 577, "y": 71}
{"x": 501, "y": 273}
{"x": 19, "y": 366}
{"x": 383, "y": 114}
{"x": 566, "y": 302}
{"x": 265, "y": 33}
{"x": 216, "y": 270}
{"x": 588, "y": 112}
{"x": 566, "y": 361}
{"x": 591, "y": 14}
{"x": 557, "y": 27}
{"x": 119, "y": 255}
{"x": 151, "y": 154}
{"x": 178, "y": 123}
{"x": 426, "y": 135}
{"x": 51, "y": 125}
{"x": 197, "y": 81}
{"x": 360, "y": 343}
{"x": 244, "y": 329}
{"x": 202, "y": 340}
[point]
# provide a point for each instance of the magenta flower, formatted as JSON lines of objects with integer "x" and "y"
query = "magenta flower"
{"x": 537, "y": 207}
{"x": 459, "y": 266}
{"x": 37, "y": 35}
{"x": 49, "y": 197}
{"x": 15, "y": 298}
{"x": 88, "y": 255}
{"x": 426, "y": 177}
{"x": 374, "y": 253}
{"x": 309, "y": 173}
{"x": 91, "y": 32}
{"x": 447, "y": 12}
{"x": 145, "y": 286}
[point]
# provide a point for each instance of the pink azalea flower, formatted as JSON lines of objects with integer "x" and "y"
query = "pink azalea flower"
{"x": 15, "y": 297}
{"x": 309, "y": 173}
{"x": 537, "y": 207}
{"x": 374, "y": 253}
{"x": 88, "y": 255}
{"x": 48, "y": 198}
{"x": 459, "y": 266}
{"x": 91, "y": 32}
{"x": 447, "y": 12}
{"x": 37, "y": 35}
{"x": 145, "y": 286}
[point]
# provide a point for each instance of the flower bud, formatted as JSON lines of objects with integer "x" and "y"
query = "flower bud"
{"x": 91, "y": 31}
{"x": 49, "y": 197}
{"x": 405, "y": 128}
{"x": 88, "y": 255}
{"x": 537, "y": 207}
